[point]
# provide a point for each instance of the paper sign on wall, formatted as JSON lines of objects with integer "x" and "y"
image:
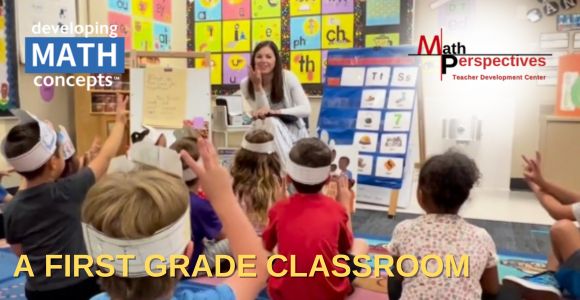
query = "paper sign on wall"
{"x": 164, "y": 101}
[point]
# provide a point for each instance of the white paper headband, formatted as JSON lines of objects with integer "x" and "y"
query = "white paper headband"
{"x": 168, "y": 241}
{"x": 307, "y": 175}
{"x": 67, "y": 146}
{"x": 266, "y": 148}
{"x": 188, "y": 174}
{"x": 153, "y": 136}
{"x": 147, "y": 154}
{"x": 40, "y": 153}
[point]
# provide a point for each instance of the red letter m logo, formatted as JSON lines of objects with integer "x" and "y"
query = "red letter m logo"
{"x": 429, "y": 49}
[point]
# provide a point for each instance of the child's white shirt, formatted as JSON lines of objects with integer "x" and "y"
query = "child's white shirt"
{"x": 442, "y": 235}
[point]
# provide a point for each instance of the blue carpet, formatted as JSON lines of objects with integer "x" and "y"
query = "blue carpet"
{"x": 510, "y": 263}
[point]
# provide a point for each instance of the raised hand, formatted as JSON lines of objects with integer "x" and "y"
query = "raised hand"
{"x": 256, "y": 78}
{"x": 121, "y": 114}
{"x": 344, "y": 195}
{"x": 532, "y": 170}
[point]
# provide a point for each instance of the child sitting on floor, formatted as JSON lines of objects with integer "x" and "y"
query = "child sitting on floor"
{"x": 445, "y": 182}
{"x": 258, "y": 182}
{"x": 43, "y": 218}
{"x": 563, "y": 274}
{"x": 165, "y": 230}
{"x": 308, "y": 224}
{"x": 206, "y": 228}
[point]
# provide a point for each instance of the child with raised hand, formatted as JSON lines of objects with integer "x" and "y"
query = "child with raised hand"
{"x": 44, "y": 216}
{"x": 206, "y": 227}
{"x": 563, "y": 274}
{"x": 165, "y": 199}
{"x": 445, "y": 182}
{"x": 236, "y": 226}
{"x": 560, "y": 203}
{"x": 257, "y": 174}
{"x": 309, "y": 224}
{"x": 90, "y": 154}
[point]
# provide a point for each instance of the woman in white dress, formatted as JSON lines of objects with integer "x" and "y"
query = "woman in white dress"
{"x": 274, "y": 94}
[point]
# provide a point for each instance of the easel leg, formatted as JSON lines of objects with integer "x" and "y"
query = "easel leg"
{"x": 393, "y": 203}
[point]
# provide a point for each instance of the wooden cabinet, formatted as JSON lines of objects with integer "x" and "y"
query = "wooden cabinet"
{"x": 95, "y": 111}
{"x": 560, "y": 149}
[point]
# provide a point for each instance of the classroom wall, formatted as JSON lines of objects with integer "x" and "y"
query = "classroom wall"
{"x": 510, "y": 110}
{"x": 60, "y": 110}
{"x": 521, "y": 104}
{"x": 98, "y": 13}
{"x": 536, "y": 101}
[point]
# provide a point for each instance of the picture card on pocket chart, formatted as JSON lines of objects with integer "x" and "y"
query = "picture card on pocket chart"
{"x": 365, "y": 165}
{"x": 368, "y": 120}
{"x": 373, "y": 98}
{"x": 397, "y": 121}
{"x": 393, "y": 143}
{"x": 366, "y": 141}
{"x": 345, "y": 161}
{"x": 378, "y": 76}
{"x": 404, "y": 76}
{"x": 389, "y": 167}
{"x": 353, "y": 76}
{"x": 401, "y": 99}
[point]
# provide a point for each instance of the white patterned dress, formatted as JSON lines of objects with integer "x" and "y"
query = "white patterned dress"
{"x": 441, "y": 235}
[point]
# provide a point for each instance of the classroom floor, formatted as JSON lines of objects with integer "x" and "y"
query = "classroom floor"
{"x": 515, "y": 219}
{"x": 522, "y": 238}
{"x": 513, "y": 207}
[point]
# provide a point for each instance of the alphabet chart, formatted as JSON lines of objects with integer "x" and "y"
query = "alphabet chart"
{"x": 145, "y": 24}
{"x": 303, "y": 30}
{"x": 368, "y": 102}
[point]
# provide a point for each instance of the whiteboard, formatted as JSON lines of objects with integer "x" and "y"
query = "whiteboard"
{"x": 197, "y": 98}
{"x": 53, "y": 12}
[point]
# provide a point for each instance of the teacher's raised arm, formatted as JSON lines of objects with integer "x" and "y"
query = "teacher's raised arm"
{"x": 276, "y": 97}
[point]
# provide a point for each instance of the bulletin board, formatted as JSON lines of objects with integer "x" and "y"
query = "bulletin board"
{"x": 304, "y": 30}
{"x": 369, "y": 102}
{"x": 8, "y": 60}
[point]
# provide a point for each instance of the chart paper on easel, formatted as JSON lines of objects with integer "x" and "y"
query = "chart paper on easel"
{"x": 164, "y": 97}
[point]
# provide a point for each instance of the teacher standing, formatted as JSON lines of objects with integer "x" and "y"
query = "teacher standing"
{"x": 272, "y": 92}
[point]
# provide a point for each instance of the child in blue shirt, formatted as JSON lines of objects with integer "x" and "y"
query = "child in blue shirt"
{"x": 166, "y": 200}
{"x": 563, "y": 275}
{"x": 205, "y": 224}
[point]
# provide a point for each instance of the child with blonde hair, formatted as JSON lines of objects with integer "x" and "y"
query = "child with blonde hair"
{"x": 257, "y": 173}
{"x": 164, "y": 229}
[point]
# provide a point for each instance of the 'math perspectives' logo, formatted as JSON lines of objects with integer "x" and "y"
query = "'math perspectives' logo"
{"x": 455, "y": 55}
